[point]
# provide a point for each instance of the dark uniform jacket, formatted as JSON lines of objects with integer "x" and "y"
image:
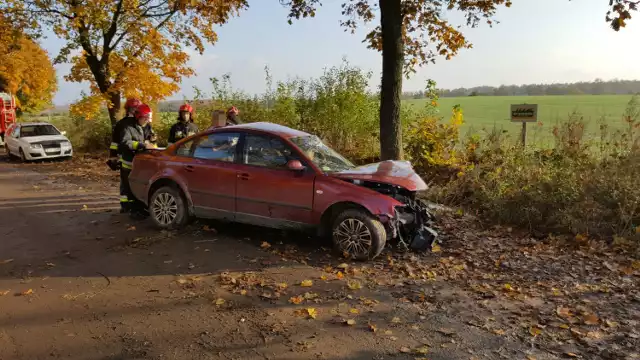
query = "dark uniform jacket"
{"x": 131, "y": 142}
{"x": 115, "y": 136}
{"x": 181, "y": 130}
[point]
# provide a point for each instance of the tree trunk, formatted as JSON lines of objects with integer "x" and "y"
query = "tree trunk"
{"x": 114, "y": 108}
{"x": 392, "y": 63}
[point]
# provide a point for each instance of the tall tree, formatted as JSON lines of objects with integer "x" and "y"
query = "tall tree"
{"x": 26, "y": 70}
{"x": 410, "y": 33}
{"x": 127, "y": 47}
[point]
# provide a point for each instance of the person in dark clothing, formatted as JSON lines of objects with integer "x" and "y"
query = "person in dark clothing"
{"x": 132, "y": 141}
{"x": 232, "y": 116}
{"x": 184, "y": 127}
{"x": 114, "y": 161}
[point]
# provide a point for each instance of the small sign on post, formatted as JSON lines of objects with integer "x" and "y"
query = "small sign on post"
{"x": 524, "y": 113}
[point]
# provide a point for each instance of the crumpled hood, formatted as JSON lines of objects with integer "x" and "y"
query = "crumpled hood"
{"x": 395, "y": 172}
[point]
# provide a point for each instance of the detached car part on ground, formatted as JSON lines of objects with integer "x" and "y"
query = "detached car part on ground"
{"x": 270, "y": 175}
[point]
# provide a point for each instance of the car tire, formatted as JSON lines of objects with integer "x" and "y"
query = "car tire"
{"x": 358, "y": 235}
{"x": 23, "y": 157}
{"x": 168, "y": 208}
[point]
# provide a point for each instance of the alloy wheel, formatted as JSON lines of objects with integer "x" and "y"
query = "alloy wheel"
{"x": 165, "y": 208}
{"x": 353, "y": 237}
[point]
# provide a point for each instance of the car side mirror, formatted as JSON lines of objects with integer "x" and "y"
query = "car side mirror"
{"x": 295, "y": 165}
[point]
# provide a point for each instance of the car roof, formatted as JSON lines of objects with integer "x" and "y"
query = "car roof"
{"x": 276, "y": 129}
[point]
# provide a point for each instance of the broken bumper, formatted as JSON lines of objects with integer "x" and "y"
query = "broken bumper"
{"x": 412, "y": 225}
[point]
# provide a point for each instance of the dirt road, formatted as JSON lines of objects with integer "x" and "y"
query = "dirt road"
{"x": 80, "y": 281}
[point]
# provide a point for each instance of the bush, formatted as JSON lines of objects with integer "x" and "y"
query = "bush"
{"x": 336, "y": 106}
{"x": 580, "y": 186}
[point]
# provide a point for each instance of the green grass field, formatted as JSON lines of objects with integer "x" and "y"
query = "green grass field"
{"x": 489, "y": 111}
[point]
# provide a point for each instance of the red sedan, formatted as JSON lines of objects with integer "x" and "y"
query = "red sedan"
{"x": 274, "y": 176}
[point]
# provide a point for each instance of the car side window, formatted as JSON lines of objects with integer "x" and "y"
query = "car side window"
{"x": 266, "y": 151}
{"x": 219, "y": 146}
{"x": 185, "y": 149}
{"x": 16, "y": 133}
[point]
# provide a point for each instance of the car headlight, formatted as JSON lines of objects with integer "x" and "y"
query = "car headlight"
{"x": 66, "y": 144}
{"x": 36, "y": 146}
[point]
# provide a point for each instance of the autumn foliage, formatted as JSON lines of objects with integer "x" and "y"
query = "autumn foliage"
{"x": 126, "y": 47}
{"x": 25, "y": 70}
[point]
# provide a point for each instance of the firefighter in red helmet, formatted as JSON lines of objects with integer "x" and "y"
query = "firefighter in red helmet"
{"x": 132, "y": 142}
{"x": 185, "y": 126}
{"x": 115, "y": 158}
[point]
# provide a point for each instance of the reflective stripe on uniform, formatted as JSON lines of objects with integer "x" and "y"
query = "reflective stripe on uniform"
{"x": 126, "y": 164}
{"x": 113, "y": 146}
{"x": 135, "y": 145}
{"x": 124, "y": 199}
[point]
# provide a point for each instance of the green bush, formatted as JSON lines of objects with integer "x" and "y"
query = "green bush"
{"x": 588, "y": 188}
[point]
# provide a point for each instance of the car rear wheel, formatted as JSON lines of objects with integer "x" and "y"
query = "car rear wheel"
{"x": 358, "y": 235}
{"x": 168, "y": 209}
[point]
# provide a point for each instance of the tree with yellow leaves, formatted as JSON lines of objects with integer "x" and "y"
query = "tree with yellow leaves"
{"x": 26, "y": 70}
{"x": 127, "y": 47}
{"x": 412, "y": 33}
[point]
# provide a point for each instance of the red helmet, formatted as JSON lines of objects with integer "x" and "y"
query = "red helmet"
{"x": 187, "y": 108}
{"x": 143, "y": 110}
{"x": 132, "y": 103}
{"x": 233, "y": 110}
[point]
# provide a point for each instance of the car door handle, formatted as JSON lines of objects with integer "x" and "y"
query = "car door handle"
{"x": 189, "y": 168}
{"x": 243, "y": 176}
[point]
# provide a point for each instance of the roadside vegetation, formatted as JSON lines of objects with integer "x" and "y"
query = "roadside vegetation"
{"x": 581, "y": 183}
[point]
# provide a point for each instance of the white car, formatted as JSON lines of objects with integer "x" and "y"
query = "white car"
{"x": 36, "y": 141}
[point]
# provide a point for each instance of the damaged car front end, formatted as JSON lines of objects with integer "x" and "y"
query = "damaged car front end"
{"x": 412, "y": 223}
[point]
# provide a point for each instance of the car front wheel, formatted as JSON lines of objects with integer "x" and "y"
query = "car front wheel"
{"x": 168, "y": 209}
{"x": 23, "y": 157}
{"x": 358, "y": 235}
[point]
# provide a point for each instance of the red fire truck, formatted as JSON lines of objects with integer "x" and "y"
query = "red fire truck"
{"x": 7, "y": 113}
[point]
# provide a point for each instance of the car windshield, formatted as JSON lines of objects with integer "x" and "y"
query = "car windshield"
{"x": 38, "y": 130}
{"x": 323, "y": 156}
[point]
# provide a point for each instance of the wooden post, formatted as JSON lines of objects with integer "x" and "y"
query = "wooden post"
{"x": 524, "y": 134}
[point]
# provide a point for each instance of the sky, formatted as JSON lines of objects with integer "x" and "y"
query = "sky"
{"x": 536, "y": 41}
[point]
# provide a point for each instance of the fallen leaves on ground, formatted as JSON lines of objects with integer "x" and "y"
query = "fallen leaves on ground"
{"x": 306, "y": 283}
{"x": 265, "y": 245}
{"x": 297, "y": 300}
{"x": 220, "y": 302}
{"x": 2, "y": 262}
{"x": 354, "y": 285}
{"x": 309, "y": 313}
{"x": 591, "y": 319}
{"x": 25, "y": 293}
{"x": 5, "y": 292}
{"x": 350, "y": 322}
